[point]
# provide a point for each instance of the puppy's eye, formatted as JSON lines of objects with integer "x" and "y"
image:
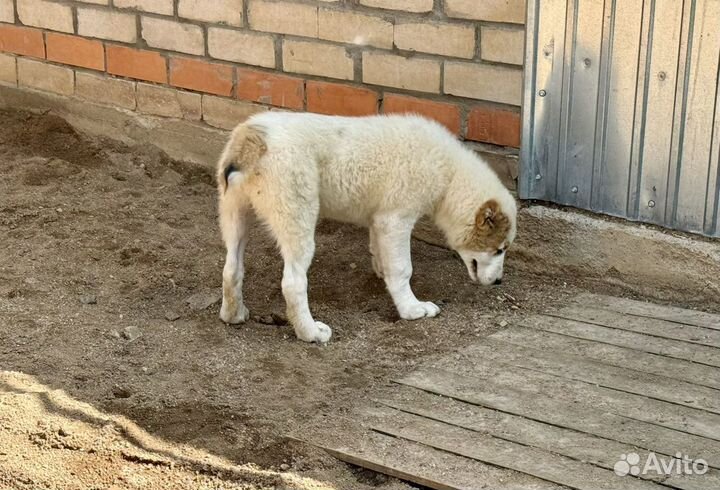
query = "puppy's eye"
{"x": 500, "y": 251}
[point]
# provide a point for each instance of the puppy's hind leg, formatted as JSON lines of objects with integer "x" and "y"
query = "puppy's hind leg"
{"x": 241, "y": 155}
{"x": 298, "y": 256}
{"x": 234, "y": 224}
{"x": 295, "y": 235}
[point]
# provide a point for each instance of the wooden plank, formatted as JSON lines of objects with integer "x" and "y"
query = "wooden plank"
{"x": 529, "y": 460}
{"x": 690, "y": 372}
{"x": 670, "y": 415}
{"x": 418, "y": 463}
{"x": 563, "y": 408}
{"x": 577, "y": 445}
{"x": 617, "y": 378}
{"x": 640, "y": 324}
{"x": 650, "y": 310}
{"x": 665, "y": 347}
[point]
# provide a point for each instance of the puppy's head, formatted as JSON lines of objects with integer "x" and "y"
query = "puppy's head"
{"x": 491, "y": 233}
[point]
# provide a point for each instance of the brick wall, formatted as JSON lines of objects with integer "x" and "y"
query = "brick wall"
{"x": 219, "y": 61}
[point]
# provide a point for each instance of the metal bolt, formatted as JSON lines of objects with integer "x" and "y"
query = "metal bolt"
{"x": 574, "y": 189}
{"x": 651, "y": 204}
{"x": 662, "y": 76}
{"x": 538, "y": 177}
{"x": 542, "y": 93}
{"x": 586, "y": 62}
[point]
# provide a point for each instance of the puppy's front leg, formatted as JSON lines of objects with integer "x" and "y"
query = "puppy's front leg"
{"x": 392, "y": 234}
{"x": 375, "y": 255}
{"x": 294, "y": 287}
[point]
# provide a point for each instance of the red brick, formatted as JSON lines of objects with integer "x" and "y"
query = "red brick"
{"x": 496, "y": 126}
{"x": 212, "y": 78}
{"x": 444, "y": 113}
{"x": 136, "y": 63}
{"x": 21, "y": 40}
{"x": 341, "y": 100}
{"x": 74, "y": 50}
{"x": 269, "y": 88}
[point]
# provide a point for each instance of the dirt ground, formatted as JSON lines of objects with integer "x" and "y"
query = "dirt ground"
{"x": 110, "y": 267}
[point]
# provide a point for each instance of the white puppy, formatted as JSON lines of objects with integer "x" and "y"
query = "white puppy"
{"x": 382, "y": 172}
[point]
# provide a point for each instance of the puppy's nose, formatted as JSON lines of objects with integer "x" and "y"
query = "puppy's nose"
{"x": 497, "y": 282}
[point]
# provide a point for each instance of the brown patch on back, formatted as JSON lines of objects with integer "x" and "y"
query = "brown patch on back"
{"x": 491, "y": 229}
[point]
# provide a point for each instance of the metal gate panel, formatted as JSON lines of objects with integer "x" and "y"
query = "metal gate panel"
{"x": 659, "y": 123}
{"x": 702, "y": 78}
{"x": 542, "y": 131}
{"x": 580, "y": 99}
{"x": 622, "y": 109}
{"x": 619, "y": 61}
{"x": 712, "y": 217}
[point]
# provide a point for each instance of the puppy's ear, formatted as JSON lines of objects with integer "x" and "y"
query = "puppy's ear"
{"x": 487, "y": 216}
{"x": 491, "y": 227}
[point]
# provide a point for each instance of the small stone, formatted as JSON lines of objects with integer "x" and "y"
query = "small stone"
{"x": 171, "y": 315}
{"x": 88, "y": 299}
{"x": 284, "y": 467}
{"x": 272, "y": 319}
{"x": 121, "y": 392}
{"x": 279, "y": 319}
{"x": 353, "y": 266}
{"x": 114, "y": 333}
{"x": 204, "y": 299}
{"x": 63, "y": 432}
{"x": 144, "y": 369}
{"x": 59, "y": 210}
{"x": 131, "y": 333}
{"x": 503, "y": 323}
{"x": 266, "y": 320}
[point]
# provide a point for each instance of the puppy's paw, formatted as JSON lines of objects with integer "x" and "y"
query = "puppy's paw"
{"x": 419, "y": 310}
{"x": 233, "y": 316}
{"x": 323, "y": 333}
{"x": 319, "y": 333}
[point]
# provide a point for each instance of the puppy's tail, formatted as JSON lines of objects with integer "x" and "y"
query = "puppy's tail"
{"x": 242, "y": 153}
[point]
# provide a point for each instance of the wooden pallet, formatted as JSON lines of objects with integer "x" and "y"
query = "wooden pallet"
{"x": 553, "y": 402}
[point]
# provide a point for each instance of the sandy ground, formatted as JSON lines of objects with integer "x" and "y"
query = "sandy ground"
{"x": 110, "y": 267}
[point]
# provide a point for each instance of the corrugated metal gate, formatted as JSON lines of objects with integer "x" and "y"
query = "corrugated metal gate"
{"x": 622, "y": 109}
